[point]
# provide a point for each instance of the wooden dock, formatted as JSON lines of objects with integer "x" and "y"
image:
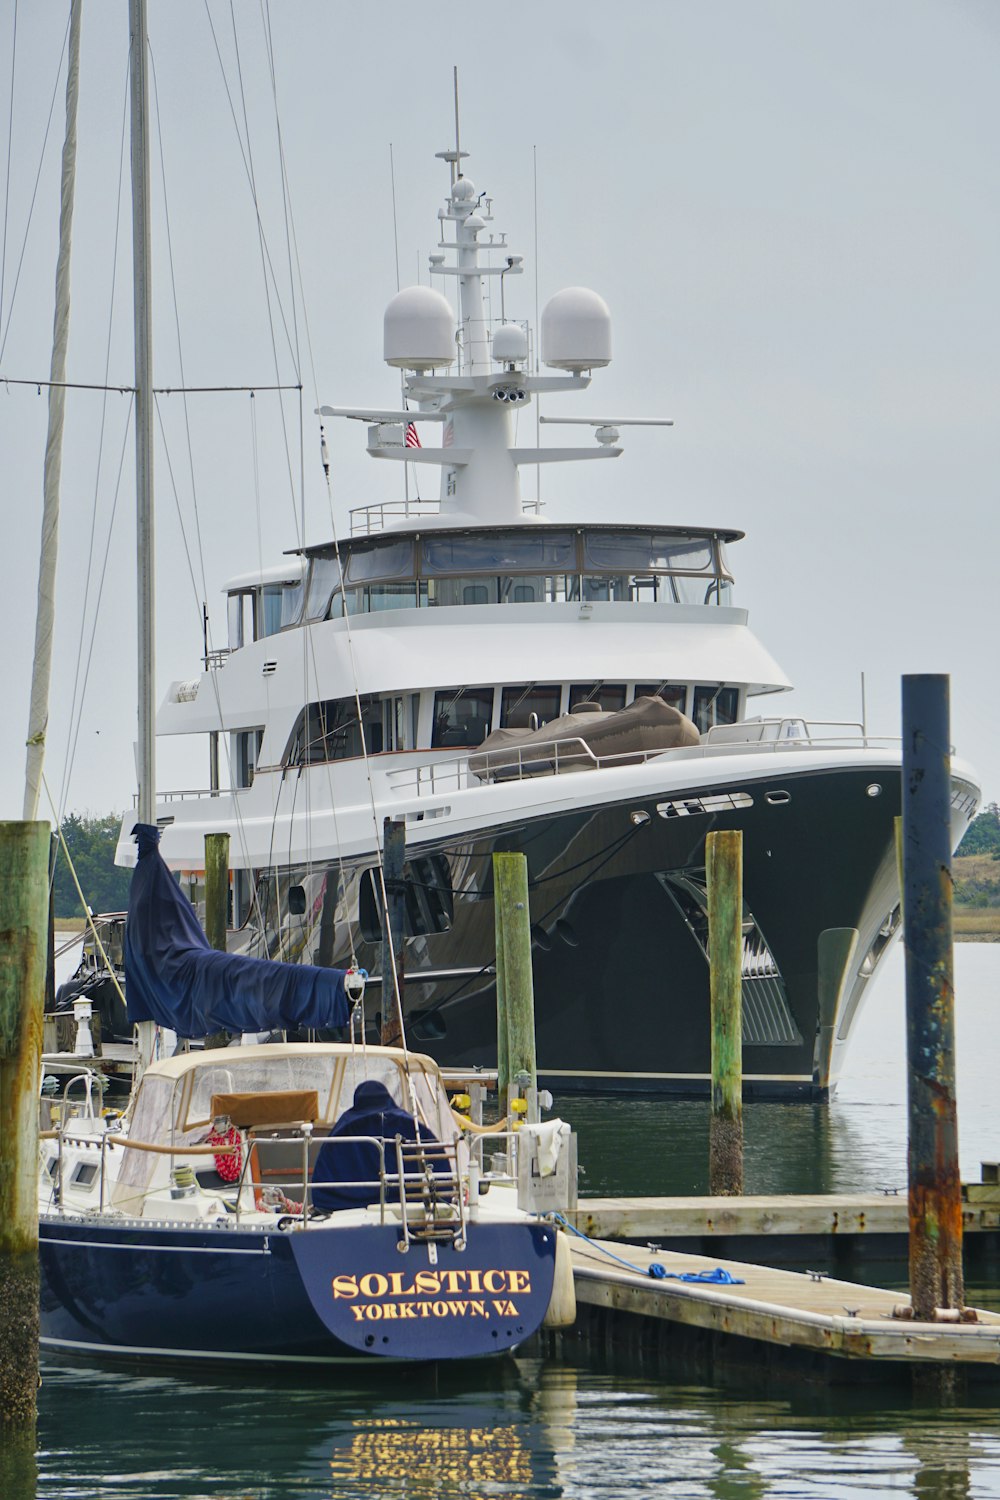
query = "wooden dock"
{"x": 801, "y": 1215}
{"x": 782, "y": 1312}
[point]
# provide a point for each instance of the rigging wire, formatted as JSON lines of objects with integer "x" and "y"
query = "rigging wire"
{"x": 5, "y": 329}
{"x": 10, "y": 142}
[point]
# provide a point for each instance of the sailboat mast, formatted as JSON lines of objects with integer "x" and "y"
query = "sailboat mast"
{"x": 141, "y": 281}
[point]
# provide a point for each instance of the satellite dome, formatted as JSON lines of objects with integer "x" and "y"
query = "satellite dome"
{"x": 463, "y": 191}
{"x": 418, "y": 330}
{"x": 576, "y": 330}
{"x": 510, "y": 344}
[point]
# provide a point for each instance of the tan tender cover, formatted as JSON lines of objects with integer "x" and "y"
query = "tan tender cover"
{"x": 646, "y": 725}
{"x": 279, "y": 1108}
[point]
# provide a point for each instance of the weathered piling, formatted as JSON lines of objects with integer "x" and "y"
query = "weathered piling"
{"x": 217, "y": 889}
{"x": 935, "y": 1195}
{"x": 24, "y": 899}
{"x": 724, "y": 872}
{"x": 393, "y": 860}
{"x": 515, "y": 991}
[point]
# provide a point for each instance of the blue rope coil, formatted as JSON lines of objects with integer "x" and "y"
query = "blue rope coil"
{"x": 717, "y": 1277}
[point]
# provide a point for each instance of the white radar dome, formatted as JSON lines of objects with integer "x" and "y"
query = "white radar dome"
{"x": 576, "y": 330}
{"x": 510, "y": 344}
{"x": 418, "y": 330}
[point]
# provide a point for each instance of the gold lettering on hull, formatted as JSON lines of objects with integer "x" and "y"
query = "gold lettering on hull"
{"x": 375, "y": 1286}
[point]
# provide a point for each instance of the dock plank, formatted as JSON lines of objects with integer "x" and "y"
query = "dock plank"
{"x": 786, "y": 1308}
{"x": 800, "y": 1214}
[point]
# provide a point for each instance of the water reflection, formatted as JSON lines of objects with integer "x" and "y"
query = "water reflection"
{"x": 530, "y": 1429}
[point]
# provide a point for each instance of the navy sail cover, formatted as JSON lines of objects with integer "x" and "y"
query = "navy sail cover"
{"x": 173, "y": 976}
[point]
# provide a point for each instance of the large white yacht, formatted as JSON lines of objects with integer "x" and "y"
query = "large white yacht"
{"x": 363, "y": 676}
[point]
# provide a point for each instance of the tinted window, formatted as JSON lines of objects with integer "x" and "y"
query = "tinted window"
{"x": 519, "y": 703}
{"x": 462, "y": 717}
{"x": 610, "y": 695}
{"x": 324, "y": 577}
{"x": 513, "y": 552}
{"x": 383, "y": 560}
{"x": 645, "y": 551}
{"x": 715, "y": 705}
{"x": 671, "y": 692}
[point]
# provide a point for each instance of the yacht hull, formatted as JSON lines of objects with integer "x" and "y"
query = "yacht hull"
{"x": 153, "y": 1292}
{"x": 621, "y": 976}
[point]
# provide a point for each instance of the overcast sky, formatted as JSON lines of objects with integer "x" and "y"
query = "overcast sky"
{"x": 792, "y": 210}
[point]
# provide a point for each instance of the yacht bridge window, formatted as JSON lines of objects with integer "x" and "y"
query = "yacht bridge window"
{"x": 530, "y": 565}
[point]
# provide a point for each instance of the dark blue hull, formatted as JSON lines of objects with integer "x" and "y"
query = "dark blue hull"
{"x": 319, "y": 1296}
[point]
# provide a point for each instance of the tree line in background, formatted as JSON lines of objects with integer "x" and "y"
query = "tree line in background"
{"x": 91, "y": 843}
{"x": 983, "y": 834}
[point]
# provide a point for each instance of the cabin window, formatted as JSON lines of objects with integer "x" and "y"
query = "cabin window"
{"x": 609, "y": 695}
{"x": 269, "y": 609}
{"x": 715, "y": 705}
{"x": 381, "y": 560}
{"x": 644, "y": 552}
{"x": 517, "y": 704}
{"x": 538, "y": 550}
{"x": 240, "y": 609}
{"x": 292, "y": 595}
{"x": 246, "y": 750}
{"x": 330, "y": 730}
{"x": 324, "y": 580}
{"x": 673, "y": 693}
{"x": 462, "y": 716}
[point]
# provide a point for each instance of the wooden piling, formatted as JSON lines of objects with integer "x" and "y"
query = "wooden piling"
{"x": 724, "y": 871}
{"x": 393, "y": 860}
{"x": 24, "y": 901}
{"x": 935, "y": 1194}
{"x": 513, "y": 927}
{"x": 217, "y": 889}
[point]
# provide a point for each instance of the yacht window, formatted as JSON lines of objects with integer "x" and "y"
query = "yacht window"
{"x": 379, "y": 596}
{"x": 240, "y": 619}
{"x": 382, "y": 560}
{"x": 445, "y": 591}
{"x": 537, "y": 549}
{"x": 330, "y": 730}
{"x": 246, "y": 749}
{"x": 291, "y": 603}
{"x": 610, "y": 695}
{"x": 475, "y": 593}
{"x": 643, "y": 552}
{"x": 517, "y": 705}
{"x": 324, "y": 578}
{"x": 715, "y": 705}
{"x": 606, "y": 590}
{"x": 269, "y": 609}
{"x": 462, "y": 716}
{"x": 671, "y": 692}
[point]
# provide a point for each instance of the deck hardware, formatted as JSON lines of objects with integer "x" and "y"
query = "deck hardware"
{"x": 852, "y": 1312}
{"x": 816, "y": 1275}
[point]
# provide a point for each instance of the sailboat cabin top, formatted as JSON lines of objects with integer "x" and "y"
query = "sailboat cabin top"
{"x": 484, "y": 565}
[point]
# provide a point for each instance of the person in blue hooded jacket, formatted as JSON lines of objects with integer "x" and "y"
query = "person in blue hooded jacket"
{"x": 353, "y": 1165}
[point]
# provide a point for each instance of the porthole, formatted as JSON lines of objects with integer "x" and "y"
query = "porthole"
{"x": 778, "y": 799}
{"x": 873, "y": 789}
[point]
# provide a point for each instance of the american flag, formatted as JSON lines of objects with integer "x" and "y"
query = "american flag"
{"x": 412, "y": 436}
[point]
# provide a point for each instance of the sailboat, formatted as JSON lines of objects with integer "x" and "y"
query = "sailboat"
{"x": 290, "y": 1203}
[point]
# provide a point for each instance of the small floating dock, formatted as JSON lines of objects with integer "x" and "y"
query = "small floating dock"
{"x": 772, "y": 1311}
{"x": 753, "y": 1217}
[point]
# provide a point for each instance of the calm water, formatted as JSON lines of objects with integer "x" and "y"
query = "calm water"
{"x": 533, "y": 1428}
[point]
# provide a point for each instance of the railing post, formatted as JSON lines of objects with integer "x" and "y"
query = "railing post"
{"x": 24, "y": 900}
{"x": 935, "y": 1194}
{"x": 724, "y": 871}
{"x": 393, "y": 927}
{"x": 514, "y": 979}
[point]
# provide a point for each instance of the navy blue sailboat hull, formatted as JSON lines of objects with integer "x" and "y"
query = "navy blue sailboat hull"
{"x": 317, "y": 1296}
